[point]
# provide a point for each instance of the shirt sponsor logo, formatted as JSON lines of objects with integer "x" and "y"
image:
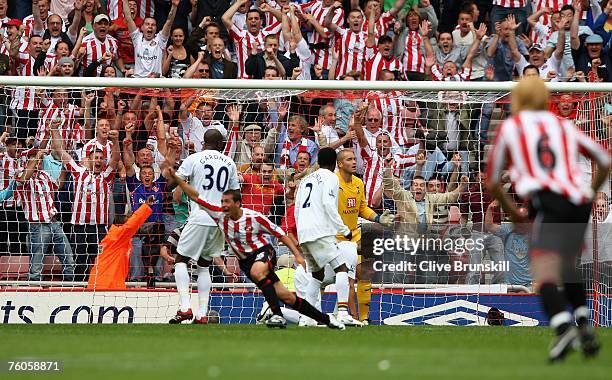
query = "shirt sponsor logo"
{"x": 351, "y": 202}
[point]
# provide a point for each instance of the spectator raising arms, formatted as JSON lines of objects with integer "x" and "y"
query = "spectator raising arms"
{"x": 148, "y": 44}
{"x": 92, "y": 194}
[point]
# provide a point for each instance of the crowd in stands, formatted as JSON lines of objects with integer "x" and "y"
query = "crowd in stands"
{"x": 75, "y": 161}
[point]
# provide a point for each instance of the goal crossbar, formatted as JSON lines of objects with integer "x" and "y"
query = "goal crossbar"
{"x": 252, "y": 84}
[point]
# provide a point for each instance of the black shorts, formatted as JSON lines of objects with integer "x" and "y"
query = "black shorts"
{"x": 559, "y": 225}
{"x": 265, "y": 254}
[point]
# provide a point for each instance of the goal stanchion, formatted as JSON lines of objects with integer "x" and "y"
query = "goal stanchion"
{"x": 455, "y": 123}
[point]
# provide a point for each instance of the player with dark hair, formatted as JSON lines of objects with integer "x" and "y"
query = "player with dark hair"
{"x": 201, "y": 240}
{"x": 542, "y": 152}
{"x": 318, "y": 222}
{"x": 245, "y": 231}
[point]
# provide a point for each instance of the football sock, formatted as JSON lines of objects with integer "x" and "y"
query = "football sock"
{"x": 303, "y": 307}
{"x": 342, "y": 290}
{"x": 554, "y": 306}
{"x": 313, "y": 292}
{"x": 181, "y": 277}
{"x": 291, "y": 315}
{"x": 364, "y": 295}
{"x": 204, "y": 285}
{"x": 576, "y": 296}
{"x": 267, "y": 288}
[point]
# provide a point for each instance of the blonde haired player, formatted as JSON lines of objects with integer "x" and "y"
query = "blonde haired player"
{"x": 542, "y": 153}
{"x": 352, "y": 205}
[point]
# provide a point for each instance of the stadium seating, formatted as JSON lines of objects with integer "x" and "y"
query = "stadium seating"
{"x": 14, "y": 267}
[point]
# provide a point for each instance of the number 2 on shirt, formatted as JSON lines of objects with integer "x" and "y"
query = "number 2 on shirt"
{"x": 307, "y": 201}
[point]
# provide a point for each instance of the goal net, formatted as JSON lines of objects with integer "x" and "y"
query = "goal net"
{"x": 62, "y": 195}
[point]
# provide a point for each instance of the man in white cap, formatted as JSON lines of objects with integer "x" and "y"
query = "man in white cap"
{"x": 244, "y": 147}
{"x": 548, "y": 68}
{"x": 99, "y": 46}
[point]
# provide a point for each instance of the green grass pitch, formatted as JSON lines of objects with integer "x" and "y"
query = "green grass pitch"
{"x": 236, "y": 352}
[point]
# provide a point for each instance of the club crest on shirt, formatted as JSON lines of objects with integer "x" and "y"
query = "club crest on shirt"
{"x": 155, "y": 188}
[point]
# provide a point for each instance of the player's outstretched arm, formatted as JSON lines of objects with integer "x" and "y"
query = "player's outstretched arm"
{"x": 286, "y": 240}
{"x": 191, "y": 193}
{"x": 189, "y": 190}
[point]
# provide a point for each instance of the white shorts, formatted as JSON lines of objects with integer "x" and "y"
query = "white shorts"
{"x": 348, "y": 250}
{"x": 301, "y": 279}
{"x": 321, "y": 252}
{"x": 200, "y": 241}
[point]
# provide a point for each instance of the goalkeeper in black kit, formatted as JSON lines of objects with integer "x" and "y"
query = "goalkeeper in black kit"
{"x": 246, "y": 233}
{"x": 542, "y": 153}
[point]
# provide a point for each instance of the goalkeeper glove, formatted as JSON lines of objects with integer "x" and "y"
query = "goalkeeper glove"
{"x": 349, "y": 236}
{"x": 386, "y": 218}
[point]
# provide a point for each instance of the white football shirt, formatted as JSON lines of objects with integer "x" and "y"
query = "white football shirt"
{"x": 148, "y": 54}
{"x": 210, "y": 173}
{"x": 316, "y": 207}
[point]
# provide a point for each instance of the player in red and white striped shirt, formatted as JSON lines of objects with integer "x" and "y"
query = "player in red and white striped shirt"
{"x": 379, "y": 56}
{"x": 542, "y": 152}
{"x": 29, "y": 22}
{"x": 373, "y": 157}
{"x": 9, "y": 165}
{"x": 92, "y": 183}
{"x": 35, "y": 190}
{"x": 321, "y": 39}
{"x": 349, "y": 43}
{"x": 146, "y": 8}
{"x": 544, "y": 19}
{"x": 413, "y": 58}
{"x": 252, "y": 39}
{"x": 382, "y": 22}
{"x": 24, "y": 98}
{"x": 246, "y": 232}
{"x": 95, "y": 45}
{"x": 390, "y": 105}
{"x": 58, "y": 108}
{"x": 510, "y": 3}
{"x": 52, "y": 59}
{"x": 379, "y": 59}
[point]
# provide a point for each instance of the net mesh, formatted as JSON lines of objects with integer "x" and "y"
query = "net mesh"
{"x": 52, "y": 265}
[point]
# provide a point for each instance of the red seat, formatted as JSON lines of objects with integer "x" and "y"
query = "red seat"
{"x": 14, "y": 267}
{"x": 51, "y": 265}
